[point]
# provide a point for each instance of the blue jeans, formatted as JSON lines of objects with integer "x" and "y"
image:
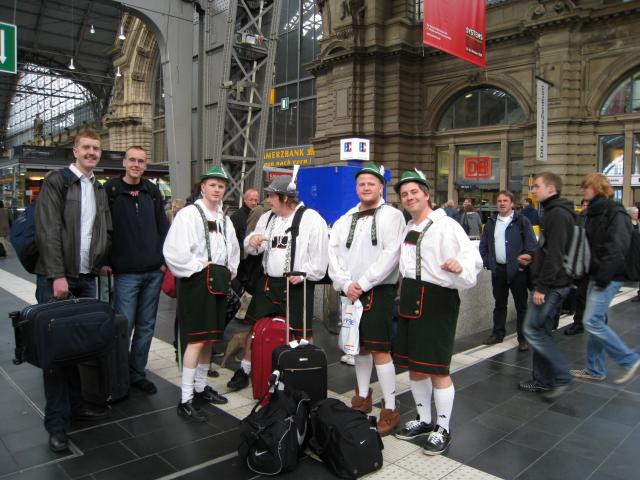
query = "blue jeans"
{"x": 136, "y": 295}
{"x": 62, "y": 388}
{"x": 549, "y": 365}
{"x": 601, "y": 338}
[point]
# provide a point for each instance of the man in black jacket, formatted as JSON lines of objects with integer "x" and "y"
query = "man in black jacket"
{"x": 139, "y": 228}
{"x": 503, "y": 241}
{"x": 551, "y": 286}
{"x": 239, "y": 219}
{"x": 73, "y": 229}
{"x": 609, "y": 232}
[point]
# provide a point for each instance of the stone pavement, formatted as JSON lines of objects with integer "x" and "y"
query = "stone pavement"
{"x": 498, "y": 432}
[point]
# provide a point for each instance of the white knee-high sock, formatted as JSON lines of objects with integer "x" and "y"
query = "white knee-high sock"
{"x": 188, "y": 380}
{"x": 246, "y": 366}
{"x": 387, "y": 380}
{"x": 364, "y": 367}
{"x": 443, "y": 398}
{"x": 421, "y": 391}
{"x": 201, "y": 376}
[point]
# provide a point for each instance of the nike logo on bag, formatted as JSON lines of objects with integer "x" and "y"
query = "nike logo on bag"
{"x": 257, "y": 454}
{"x": 301, "y": 437}
{"x": 362, "y": 442}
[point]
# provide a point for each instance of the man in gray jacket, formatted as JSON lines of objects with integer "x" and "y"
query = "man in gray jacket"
{"x": 73, "y": 227}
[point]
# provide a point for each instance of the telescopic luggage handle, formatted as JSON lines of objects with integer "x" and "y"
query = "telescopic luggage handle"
{"x": 304, "y": 302}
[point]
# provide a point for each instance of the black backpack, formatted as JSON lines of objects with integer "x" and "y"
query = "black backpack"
{"x": 271, "y": 437}
{"x": 633, "y": 258}
{"x": 345, "y": 439}
{"x": 23, "y": 230}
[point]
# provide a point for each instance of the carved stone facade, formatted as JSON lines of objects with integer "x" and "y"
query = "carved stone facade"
{"x": 375, "y": 80}
{"x": 129, "y": 121}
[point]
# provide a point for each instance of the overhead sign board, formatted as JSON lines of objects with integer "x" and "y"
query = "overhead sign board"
{"x": 354, "y": 149}
{"x": 457, "y": 27}
{"x": 8, "y": 48}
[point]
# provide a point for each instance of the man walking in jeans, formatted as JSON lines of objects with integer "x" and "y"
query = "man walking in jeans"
{"x": 609, "y": 232}
{"x": 73, "y": 227}
{"x": 551, "y": 286}
{"x": 139, "y": 228}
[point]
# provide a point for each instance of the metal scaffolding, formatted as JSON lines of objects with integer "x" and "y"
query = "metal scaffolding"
{"x": 238, "y": 80}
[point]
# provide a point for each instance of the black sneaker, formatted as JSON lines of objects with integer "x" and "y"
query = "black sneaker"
{"x": 189, "y": 410}
{"x": 574, "y": 329}
{"x": 437, "y": 441}
{"x": 239, "y": 380}
{"x": 145, "y": 386}
{"x": 532, "y": 386}
{"x": 209, "y": 395}
{"x": 492, "y": 340}
{"x": 414, "y": 429}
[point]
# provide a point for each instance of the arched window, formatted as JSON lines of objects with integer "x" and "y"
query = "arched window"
{"x": 480, "y": 108}
{"x": 159, "y": 143}
{"x": 625, "y": 98}
{"x": 46, "y": 104}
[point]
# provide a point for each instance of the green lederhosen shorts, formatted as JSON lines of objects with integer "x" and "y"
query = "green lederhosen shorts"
{"x": 202, "y": 306}
{"x": 270, "y": 299}
{"x": 428, "y": 316}
{"x": 375, "y": 324}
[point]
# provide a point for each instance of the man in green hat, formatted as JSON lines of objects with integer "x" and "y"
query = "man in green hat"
{"x": 364, "y": 248}
{"x": 436, "y": 260}
{"x": 202, "y": 251}
{"x": 274, "y": 239}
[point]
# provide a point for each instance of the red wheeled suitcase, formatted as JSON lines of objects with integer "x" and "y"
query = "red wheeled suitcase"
{"x": 302, "y": 367}
{"x": 268, "y": 333}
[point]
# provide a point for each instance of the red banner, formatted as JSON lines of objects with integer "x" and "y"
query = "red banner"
{"x": 457, "y": 27}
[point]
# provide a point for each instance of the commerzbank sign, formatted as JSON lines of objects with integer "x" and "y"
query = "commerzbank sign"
{"x": 287, "y": 157}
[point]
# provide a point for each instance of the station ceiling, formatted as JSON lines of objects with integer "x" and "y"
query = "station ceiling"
{"x": 50, "y": 32}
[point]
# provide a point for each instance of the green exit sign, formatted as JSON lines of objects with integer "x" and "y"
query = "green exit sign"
{"x": 284, "y": 103}
{"x": 8, "y": 48}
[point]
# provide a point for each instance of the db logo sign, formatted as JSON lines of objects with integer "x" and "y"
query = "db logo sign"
{"x": 477, "y": 167}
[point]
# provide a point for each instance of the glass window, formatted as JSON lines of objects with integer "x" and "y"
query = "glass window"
{"x": 625, "y": 97}
{"x": 481, "y": 107}
{"x": 442, "y": 168}
{"x": 280, "y": 128}
{"x": 515, "y": 167}
{"x": 492, "y": 107}
{"x": 611, "y": 157}
{"x": 307, "y": 121}
{"x": 478, "y": 165}
{"x": 292, "y": 55}
{"x": 636, "y": 154}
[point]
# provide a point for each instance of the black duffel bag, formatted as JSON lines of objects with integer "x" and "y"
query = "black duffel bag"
{"x": 272, "y": 436}
{"x": 63, "y": 332}
{"x": 345, "y": 439}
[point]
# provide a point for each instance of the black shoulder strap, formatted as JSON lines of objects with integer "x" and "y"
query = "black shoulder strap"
{"x": 295, "y": 230}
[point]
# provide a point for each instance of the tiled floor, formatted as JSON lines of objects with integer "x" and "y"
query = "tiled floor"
{"x": 592, "y": 432}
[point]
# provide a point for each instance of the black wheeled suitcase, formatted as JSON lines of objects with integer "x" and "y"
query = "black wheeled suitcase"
{"x": 302, "y": 367}
{"x": 106, "y": 379}
{"x": 63, "y": 332}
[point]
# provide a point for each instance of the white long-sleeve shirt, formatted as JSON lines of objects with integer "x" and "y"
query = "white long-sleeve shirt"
{"x": 445, "y": 239}
{"x": 367, "y": 264}
{"x": 87, "y": 216}
{"x": 185, "y": 248}
{"x": 311, "y": 244}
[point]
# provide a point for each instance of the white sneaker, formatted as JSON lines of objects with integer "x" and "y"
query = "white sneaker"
{"x": 348, "y": 359}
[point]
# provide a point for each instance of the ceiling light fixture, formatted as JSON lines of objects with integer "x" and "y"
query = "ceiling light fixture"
{"x": 92, "y": 30}
{"x": 118, "y": 74}
{"x": 71, "y": 65}
{"x": 122, "y": 36}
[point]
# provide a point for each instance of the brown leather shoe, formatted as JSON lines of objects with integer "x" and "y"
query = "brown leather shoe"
{"x": 362, "y": 404}
{"x": 389, "y": 419}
